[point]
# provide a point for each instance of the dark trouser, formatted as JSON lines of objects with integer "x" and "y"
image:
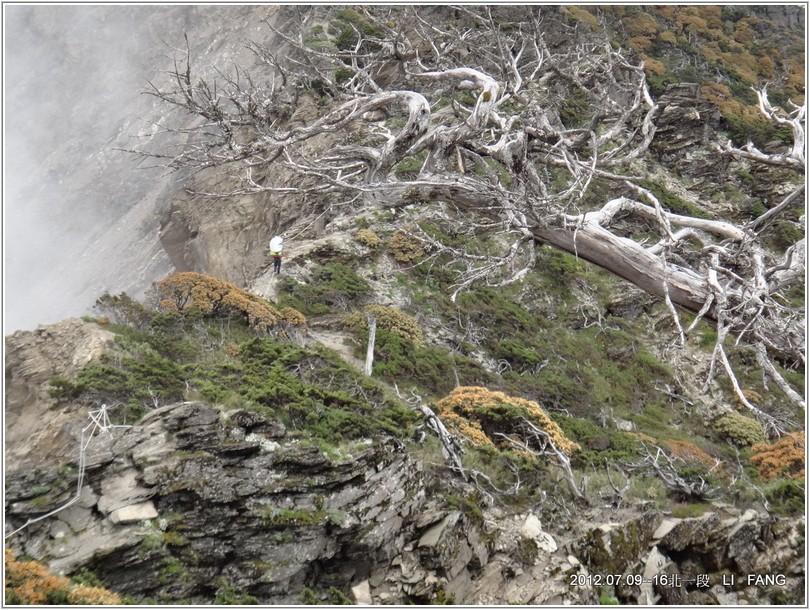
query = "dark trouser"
{"x": 277, "y": 264}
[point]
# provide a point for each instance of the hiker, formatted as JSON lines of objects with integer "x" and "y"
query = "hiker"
{"x": 276, "y": 248}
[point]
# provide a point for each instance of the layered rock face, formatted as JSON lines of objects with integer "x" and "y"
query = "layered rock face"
{"x": 194, "y": 501}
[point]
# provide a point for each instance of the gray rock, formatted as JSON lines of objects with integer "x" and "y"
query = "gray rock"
{"x": 134, "y": 513}
{"x": 667, "y": 525}
{"x": 433, "y": 535}
{"x": 532, "y": 527}
{"x": 152, "y": 450}
{"x": 60, "y": 529}
{"x": 362, "y": 594}
{"x": 77, "y": 517}
{"x": 121, "y": 490}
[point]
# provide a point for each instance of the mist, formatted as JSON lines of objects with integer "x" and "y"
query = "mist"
{"x": 73, "y": 80}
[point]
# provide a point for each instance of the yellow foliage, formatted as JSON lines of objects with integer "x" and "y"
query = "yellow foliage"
{"x": 293, "y": 316}
{"x": 367, "y": 237}
{"x": 644, "y": 438}
{"x": 582, "y": 14}
{"x": 639, "y": 43}
{"x": 30, "y": 583}
{"x": 93, "y": 596}
{"x": 653, "y": 66}
{"x": 743, "y": 32}
{"x": 721, "y": 96}
{"x": 766, "y": 67}
{"x": 784, "y": 457}
{"x": 405, "y": 248}
{"x": 640, "y": 24}
{"x": 212, "y": 296}
{"x": 688, "y": 20}
{"x": 667, "y": 12}
{"x": 794, "y": 72}
{"x": 667, "y": 37}
{"x": 389, "y": 319}
{"x": 743, "y": 63}
{"x": 712, "y": 15}
{"x": 478, "y": 414}
{"x": 690, "y": 453}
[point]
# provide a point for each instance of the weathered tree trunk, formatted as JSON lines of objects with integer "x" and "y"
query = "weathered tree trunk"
{"x": 629, "y": 260}
{"x": 372, "y": 335}
{"x": 685, "y": 287}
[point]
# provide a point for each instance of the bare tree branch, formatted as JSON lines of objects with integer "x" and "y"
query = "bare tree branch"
{"x": 481, "y": 104}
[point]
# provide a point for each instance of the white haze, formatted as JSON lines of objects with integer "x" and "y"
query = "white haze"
{"x": 80, "y": 217}
{"x": 72, "y": 82}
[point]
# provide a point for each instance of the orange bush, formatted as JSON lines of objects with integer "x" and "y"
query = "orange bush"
{"x": 782, "y": 458}
{"x": 688, "y": 20}
{"x": 639, "y": 43}
{"x": 478, "y": 414}
{"x": 584, "y": 15}
{"x": 212, "y": 296}
{"x": 640, "y": 24}
{"x": 30, "y": 583}
{"x": 690, "y": 453}
{"x": 721, "y": 96}
{"x": 653, "y": 66}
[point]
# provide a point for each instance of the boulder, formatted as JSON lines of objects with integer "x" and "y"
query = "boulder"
{"x": 133, "y": 513}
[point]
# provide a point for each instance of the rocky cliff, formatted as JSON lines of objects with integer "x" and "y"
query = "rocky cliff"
{"x": 244, "y": 466}
{"x": 195, "y": 503}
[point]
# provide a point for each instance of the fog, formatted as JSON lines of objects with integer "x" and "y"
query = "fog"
{"x": 72, "y": 82}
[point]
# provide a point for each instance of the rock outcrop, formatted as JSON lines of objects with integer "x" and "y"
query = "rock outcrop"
{"x": 196, "y": 500}
{"x": 32, "y": 360}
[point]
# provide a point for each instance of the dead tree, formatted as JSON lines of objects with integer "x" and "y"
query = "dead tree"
{"x": 507, "y": 129}
{"x": 537, "y": 442}
{"x": 372, "y": 335}
{"x": 451, "y": 446}
{"x": 656, "y": 461}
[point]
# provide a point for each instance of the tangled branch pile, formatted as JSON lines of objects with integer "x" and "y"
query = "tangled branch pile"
{"x": 504, "y": 119}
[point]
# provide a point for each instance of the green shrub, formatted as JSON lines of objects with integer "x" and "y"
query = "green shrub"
{"x": 560, "y": 267}
{"x": 333, "y": 285}
{"x": 672, "y": 202}
{"x": 575, "y": 110}
{"x": 429, "y": 368}
{"x": 786, "y": 496}
{"x": 708, "y": 338}
{"x": 343, "y": 75}
{"x": 309, "y": 597}
{"x": 228, "y": 595}
{"x": 785, "y": 234}
{"x": 338, "y": 598}
{"x": 347, "y": 24}
{"x": 388, "y": 318}
{"x": 598, "y": 444}
{"x": 409, "y": 167}
{"x": 311, "y": 390}
{"x": 742, "y": 130}
{"x": 742, "y": 431}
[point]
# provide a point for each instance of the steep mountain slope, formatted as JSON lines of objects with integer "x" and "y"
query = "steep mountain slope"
{"x": 260, "y": 465}
{"x": 81, "y": 215}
